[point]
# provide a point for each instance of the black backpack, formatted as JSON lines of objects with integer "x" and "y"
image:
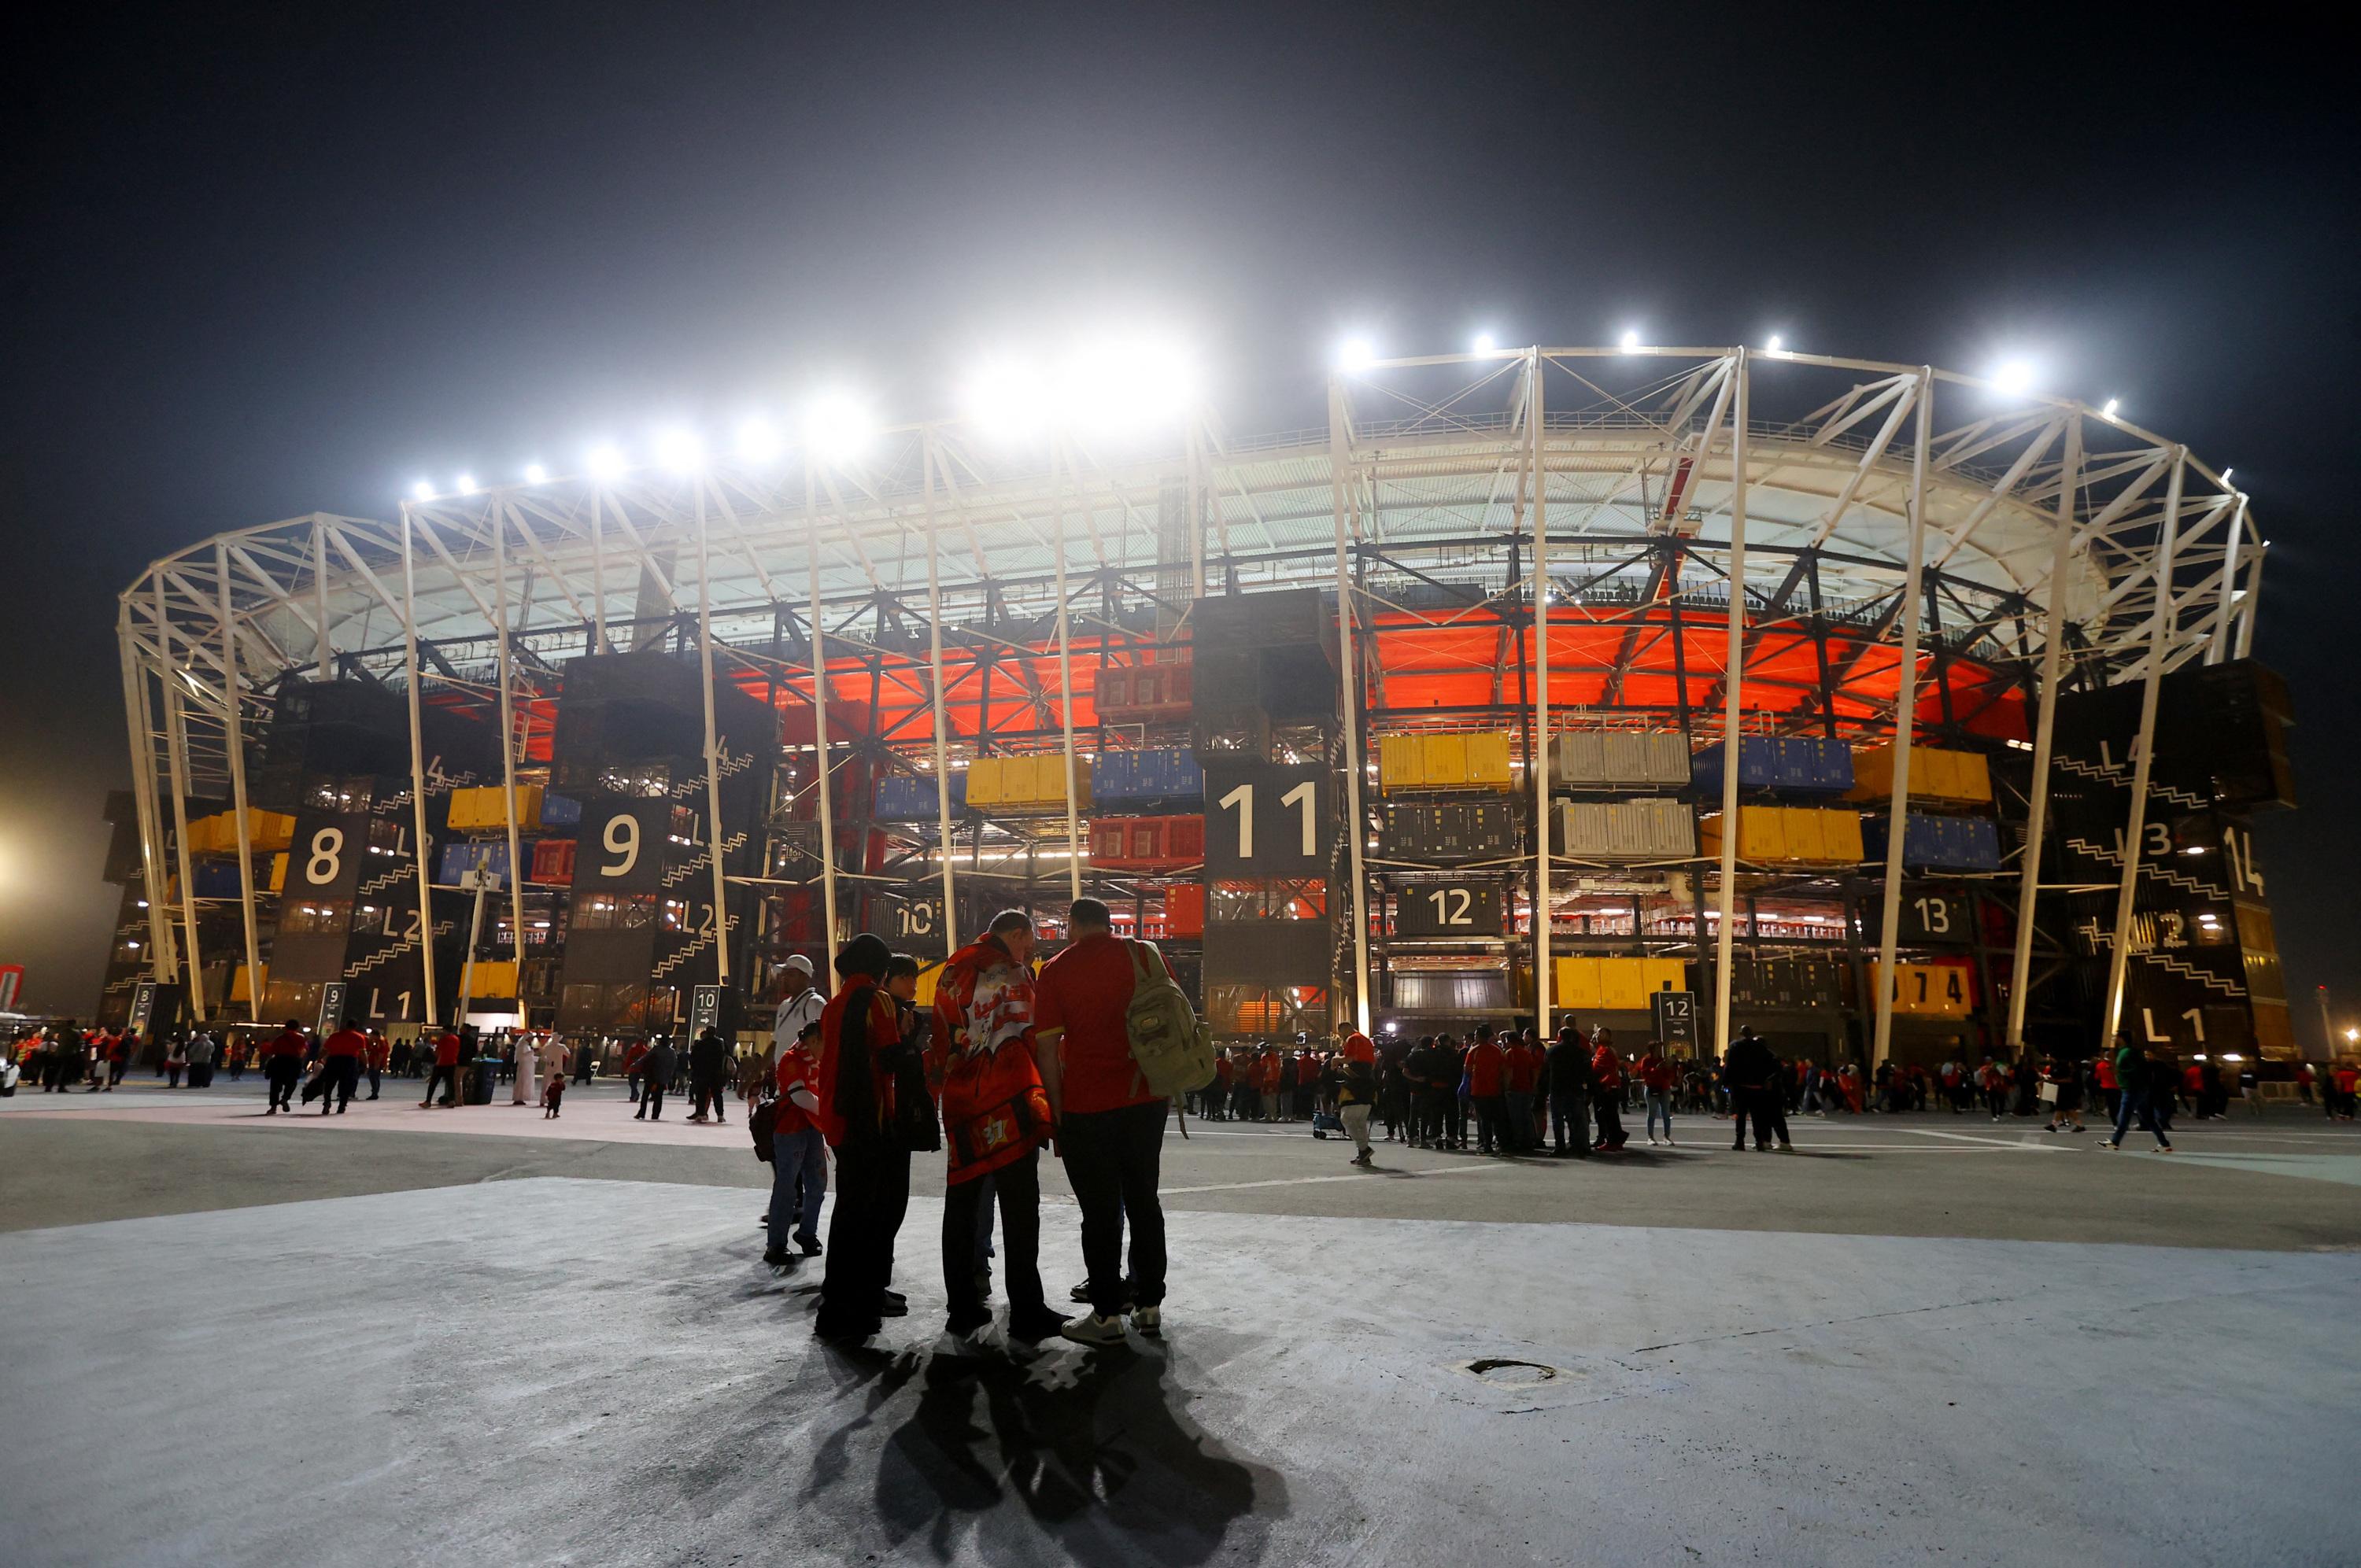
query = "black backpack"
{"x": 759, "y": 1125}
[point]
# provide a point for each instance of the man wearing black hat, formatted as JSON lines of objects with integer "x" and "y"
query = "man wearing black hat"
{"x": 860, "y": 1055}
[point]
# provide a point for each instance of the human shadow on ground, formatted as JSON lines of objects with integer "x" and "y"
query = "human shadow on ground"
{"x": 1094, "y": 1449}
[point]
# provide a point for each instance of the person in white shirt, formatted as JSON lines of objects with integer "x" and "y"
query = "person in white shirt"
{"x": 799, "y": 1009}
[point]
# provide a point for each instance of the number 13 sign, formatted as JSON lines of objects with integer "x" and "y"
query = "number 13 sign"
{"x": 1266, "y": 819}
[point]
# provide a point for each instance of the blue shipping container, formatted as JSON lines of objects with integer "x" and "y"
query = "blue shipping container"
{"x": 1831, "y": 767}
{"x": 218, "y": 879}
{"x": 1147, "y": 776}
{"x": 557, "y": 811}
{"x": 460, "y": 858}
{"x": 1756, "y": 768}
{"x": 902, "y": 798}
{"x": 1931, "y": 842}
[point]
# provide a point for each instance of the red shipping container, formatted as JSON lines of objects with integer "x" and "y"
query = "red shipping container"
{"x": 1184, "y": 909}
{"x": 1148, "y": 839}
{"x": 552, "y": 862}
{"x": 1184, "y": 839}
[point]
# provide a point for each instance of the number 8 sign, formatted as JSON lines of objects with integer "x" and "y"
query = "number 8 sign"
{"x": 1267, "y": 819}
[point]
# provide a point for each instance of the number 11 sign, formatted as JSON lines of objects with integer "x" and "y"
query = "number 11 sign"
{"x": 1266, "y": 819}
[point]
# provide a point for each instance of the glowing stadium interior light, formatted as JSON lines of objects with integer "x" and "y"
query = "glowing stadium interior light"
{"x": 758, "y": 442}
{"x": 1630, "y": 341}
{"x": 837, "y": 428}
{"x": 1485, "y": 344}
{"x": 2014, "y": 376}
{"x": 1356, "y": 354}
{"x": 534, "y": 473}
{"x": 606, "y": 461}
{"x": 2109, "y": 412}
{"x": 464, "y": 484}
{"x": 679, "y": 448}
{"x": 1777, "y": 345}
{"x": 422, "y": 490}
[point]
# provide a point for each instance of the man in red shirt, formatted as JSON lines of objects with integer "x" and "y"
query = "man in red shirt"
{"x": 282, "y": 1063}
{"x": 1524, "y": 1056}
{"x": 340, "y": 1074}
{"x": 1488, "y": 1084}
{"x": 798, "y": 1154}
{"x": 1110, "y": 1129}
{"x": 861, "y": 1053}
{"x": 380, "y": 1050}
{"x": 446, "y": 1071}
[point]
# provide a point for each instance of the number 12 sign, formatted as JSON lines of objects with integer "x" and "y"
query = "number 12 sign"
{"x": 1266, "y": 819}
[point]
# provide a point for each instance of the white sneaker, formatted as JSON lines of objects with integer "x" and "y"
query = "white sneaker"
{"x": 1093, "y": 1329}
{"x": 1149, "y": 1321}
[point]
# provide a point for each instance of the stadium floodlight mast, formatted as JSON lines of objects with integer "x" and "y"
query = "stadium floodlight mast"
{"x": 534, "y": 473}
{"x": 2013, "y": 377}
{"x": 422, "y": 490}
{"x": 1008, "y": 400}
{"x": 464, "y": 484}
{"x": 605, "y": 461}
{"x": 1630, "y": 341}
{"x": 1356, "y": 355}
{"x": 2109, "y": 412}
{"x": 1777, "y": 345}
{"x": 1485, "y": 344}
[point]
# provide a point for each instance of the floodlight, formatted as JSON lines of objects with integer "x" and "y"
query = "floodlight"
{"x": 606, "y": 461}
{"x": 534, "y": 473}
{"x": 1630, "y": 341}
{"x": 757, "y": 441}
{"x": 2109, "y": 412}
{"x": 1486, "y": 344}
{"x": 836, "y": 428}
{"x": 1776, "y": 344}
{"x": 2014, "y": 376}
{"x": 422, "y": 490}
{"x": 1127, "y": 380}
{"x": 680, "y": 449}
{"x": 1008, "y": 400}
{"x": 1356, "y": 355}
{"x": 464, "y": 484}
{"x": 2225, "y": 474}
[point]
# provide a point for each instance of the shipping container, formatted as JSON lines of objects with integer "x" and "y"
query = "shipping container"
{"x": 559, "y": 811}
{"x": 1444, "y": 762}
{"x": 1147, "y": 777}
{"x": 481, "y": 810}
{"x": 1931, "y": 842}
{"x": 904, "y": 798}
{"x": 1956, "y": 778}
{"x": 1184, "y": 909}
{"x": 1619, "y": 758}
{"x": 552, "y": 862}
{"x": 460, "y": 858}
{"x": 1625, "y": 831}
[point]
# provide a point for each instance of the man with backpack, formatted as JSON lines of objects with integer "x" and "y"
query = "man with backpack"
{"x": 1107, "y": 1016}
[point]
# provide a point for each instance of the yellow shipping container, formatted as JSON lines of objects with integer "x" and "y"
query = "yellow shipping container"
{"x": 1840, "y": 838}
{"x": 1975, "y": 778}
{"x": 1623, "y": 984}
{"x": 1927, "y": 990}
{"x": 1799, "y": 828}
{"x": 1761, "y": 834}
{"x": 278, "y": 871}
{"x": 491, "y": 978}
{"x": 1487, "y": 758}
{"x": 1576, "y": 983}
{"x": 984, "y": 781}
{"x": 1663, "y": 974}
{"x": 1443, "y": 760}
{"x": 238, "y": 989}
{"x": 481, "y": 810}
{"x": 1961, "y": 778}
{"x": 1400, "y": 765}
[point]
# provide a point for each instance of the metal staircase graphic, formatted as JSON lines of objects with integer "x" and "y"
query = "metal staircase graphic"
{"x": 2165, "y": 875}
{"x": 697, "y": 945}
{"x": 393, "y": 950}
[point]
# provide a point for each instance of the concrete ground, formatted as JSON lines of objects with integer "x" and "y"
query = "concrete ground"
{"x": 405, "y": 1336}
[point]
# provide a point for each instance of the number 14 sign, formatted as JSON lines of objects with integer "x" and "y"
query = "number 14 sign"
{"x": 1266, "y": 819}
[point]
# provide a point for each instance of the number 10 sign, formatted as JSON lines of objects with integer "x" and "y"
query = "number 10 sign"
{"x": 1266, "y": 819}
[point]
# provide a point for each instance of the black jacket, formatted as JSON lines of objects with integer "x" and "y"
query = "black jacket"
{"x": 708, "y": 1056}
{"x": 1568, "y": 1065}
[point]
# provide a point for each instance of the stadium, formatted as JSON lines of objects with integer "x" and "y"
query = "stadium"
{"x": 1605, "y": 726}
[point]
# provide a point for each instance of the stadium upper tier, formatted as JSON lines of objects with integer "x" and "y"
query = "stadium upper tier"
{"x": 1429, "y": 469}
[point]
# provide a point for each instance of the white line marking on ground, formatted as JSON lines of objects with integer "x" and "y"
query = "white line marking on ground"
{"x": 1355, "y": 1175}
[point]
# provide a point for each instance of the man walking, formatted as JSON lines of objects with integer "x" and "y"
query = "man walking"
{"x": 2133, "y": 1097}
{"x": 283, "y": 1063}
{"x": 1110, "y": 1129}
{"x": 657, "y": 1070}
{"x": 340, "y": 1072}
{"x": 1356, "y": 1073}
{"x": 708, "y": 1074}
{"x": 445, "y": 1072}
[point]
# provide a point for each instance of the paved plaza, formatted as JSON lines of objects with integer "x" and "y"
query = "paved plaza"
{"x": 406, "y": 1336}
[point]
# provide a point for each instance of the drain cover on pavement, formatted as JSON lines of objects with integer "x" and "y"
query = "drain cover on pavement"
{"x": 1504, "y": 1373}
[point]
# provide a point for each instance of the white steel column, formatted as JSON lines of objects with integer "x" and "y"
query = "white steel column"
{"x": 143, "y": 784}
{"x": 1339, "y": 458}
{"x": 1733, "y": 694}
{"x": 2218, "y": 648}
{"x": 1541, "y": 972}
{"x": 2254, "y": 596}
{"x": 2143, "y": 753}
{"x": 1066, "y": 673}
{"x": 712, "y": 742}
{"x": 598, "y": 569}
{"x": 176, "y": 753}
{"x": 820, "y": 747}
{"x": 327, "y": 654}
{"x": 2045, "y": 734}
{"x": 233, "y": 733}
{"x": 508, "y": 760}
{"x": 418, "y": 769}
{"x": 1905, "y": 723}
{"x": 943, "y": 713}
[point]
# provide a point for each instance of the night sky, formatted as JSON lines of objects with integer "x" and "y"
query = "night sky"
{"x": 263, "y": 260}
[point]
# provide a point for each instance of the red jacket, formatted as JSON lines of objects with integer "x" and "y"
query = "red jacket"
{"x": 1605, "y": 1068}
{"x": 288, "y": 1043}
{"x": 1487, "y": 1069}
{"x": 882, "y": 1032}
{"x": 1524, "y": 1068}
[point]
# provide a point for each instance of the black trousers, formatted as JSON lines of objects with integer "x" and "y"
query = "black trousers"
{"x": 966, "y": 1212}
{"x": 1608, "y": 1107}
{"x": 1492, "y": 1123}
{"x": 338, "y": 1078}
{"x": 651, "y": 1095}
{"x": 285, "y": 1073}
{"x": 449, "y": 1077}
{"x": 1569, "y": 1123}
{"x": 373, "y": 1073}
{"x": 1112, "y": 1159}
{"x": 709, "y": 1093}
{"x": 1771, "y": 1111}
{"x": 872, "y": 1193}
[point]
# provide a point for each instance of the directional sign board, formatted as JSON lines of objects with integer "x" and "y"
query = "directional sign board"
{"x": 1449, "y": 909}
{"x": 1673, "y": 1016}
